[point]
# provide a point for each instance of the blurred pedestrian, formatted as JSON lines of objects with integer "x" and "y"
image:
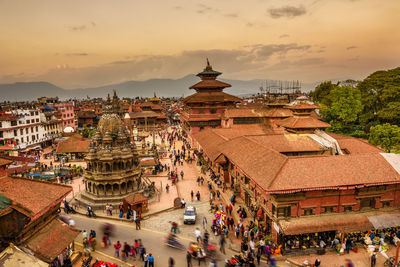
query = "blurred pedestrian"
{"x": 171, "y": 262}
{"x": 117, "y": 247}
{"x": 151, "y": 260}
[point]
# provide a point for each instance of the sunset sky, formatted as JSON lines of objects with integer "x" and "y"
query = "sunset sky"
{"x": 85, "y": 43}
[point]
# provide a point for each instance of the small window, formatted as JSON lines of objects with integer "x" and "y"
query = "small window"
{"x": 37, "y": 120}
{"x": 15, "y": 132}
{"x": 36, "y": 113}
{"x": 28, "y": 121}
{"x": 22, "y": 139}
{"x": 367, "y": 203}
{"x": 33, "y": 138}
{"x": 347, "y": 208}
{"x": 21, "y": 131}
{"x": 308, "y": 211}
{"x": 329, "y": 209}
{"x": 386, "y": 204}
{"x": 26, "y": 130}
{"x": 284, "y": 212}
{"x": 37, "y": 129}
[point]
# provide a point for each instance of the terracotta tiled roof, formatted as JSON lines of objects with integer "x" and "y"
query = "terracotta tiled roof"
{"x": 259, "y": 163}
{"x": 147, "y": 162}
{"x": 288, "y": 142}
{"x": 136, "y": 198}
{"x": 4, "y": 161}
{"x": 278, "y": 113}
{"x": 73, "y": 146}
{"x": 210, "y": 84}
{"x": 244, "y": 130}
{"x": 334, "y": 171}
{"x": 302, "y": 122}
{"x": 144, "y": 114}
{"x": 204, "y": 118}
{"x": 303, "y": 106}
{"x": 33, "y": 195}
{"x": 209, "y": 142}
{"x": 351, "y": 145}
{"x": 51, "y": 240}
{"x": 74, "y": 137}
{"x": 243, "y": 113}
{"x": 211, "y": 96}
{"x": 357, "y": 146}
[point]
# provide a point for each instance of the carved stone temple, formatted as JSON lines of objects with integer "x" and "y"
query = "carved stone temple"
{"x": 112, "y": 167}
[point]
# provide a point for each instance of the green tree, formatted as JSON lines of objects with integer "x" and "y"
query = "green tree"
{"x": 380, "y": 93}
{"x": 386, "y": 136}
{"x": 322, "y": 92}
{"x": 346, "y": 104}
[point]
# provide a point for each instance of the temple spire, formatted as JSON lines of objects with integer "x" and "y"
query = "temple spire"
{"x": 208, "y": 73}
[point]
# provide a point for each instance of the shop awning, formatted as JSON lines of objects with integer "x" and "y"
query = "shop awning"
{"x": 385, "y": 220}
{"x": 344, "y": 222}
{"x": 51, "y": 240}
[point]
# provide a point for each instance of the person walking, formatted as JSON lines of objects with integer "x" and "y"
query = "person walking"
{"x": 197, "y": 232}
{"x": 142, "y": 252}
{"x": 167, "y": 188}
{"x": 373, "y": 259}
{"x": 146, "y": 259}
{"x": 126, "y": 249}
{"x": 222, "y": 242}
{"x": 151, "y": 260}
{"x": 204, "y": 222}
{"x": 107, "y": 209}
{"x": 110, "y": 209}
{"x": 189, "y": 259}
{"x": 137, "y": 222}
{"x": 171, "y": 262}
{"x": 117, "y": 247}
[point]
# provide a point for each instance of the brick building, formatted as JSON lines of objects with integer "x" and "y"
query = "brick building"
{"x": 306, "y": 183}
{"x": 28, "y": 217}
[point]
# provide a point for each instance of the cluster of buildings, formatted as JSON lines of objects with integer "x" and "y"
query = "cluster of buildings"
{"x": 27, "y": 126}
{"x": 290, "y": 173}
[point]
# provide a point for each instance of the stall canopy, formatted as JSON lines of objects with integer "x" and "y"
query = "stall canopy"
{"x": 385, "y": 220}
{"x": 345, "y": 222}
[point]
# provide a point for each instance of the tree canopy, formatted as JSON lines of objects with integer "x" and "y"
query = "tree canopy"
{"x": 380, "y": 93}
{"x": 386, "y": 136}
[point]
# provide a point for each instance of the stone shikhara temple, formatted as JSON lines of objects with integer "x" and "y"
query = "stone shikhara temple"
{"x": 112, "y": 170}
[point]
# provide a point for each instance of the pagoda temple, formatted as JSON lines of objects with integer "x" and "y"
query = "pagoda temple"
{"x": 112, "y": 167}
{"x": 205, "y": 108}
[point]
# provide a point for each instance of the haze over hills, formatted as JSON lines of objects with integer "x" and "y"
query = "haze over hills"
{"x": 22, "y": 91}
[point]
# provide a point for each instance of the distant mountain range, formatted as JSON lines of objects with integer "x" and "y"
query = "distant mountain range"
{"x": 22, "y": 91}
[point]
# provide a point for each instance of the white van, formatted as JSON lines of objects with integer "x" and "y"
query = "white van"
{"x": 190, "y": 215}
